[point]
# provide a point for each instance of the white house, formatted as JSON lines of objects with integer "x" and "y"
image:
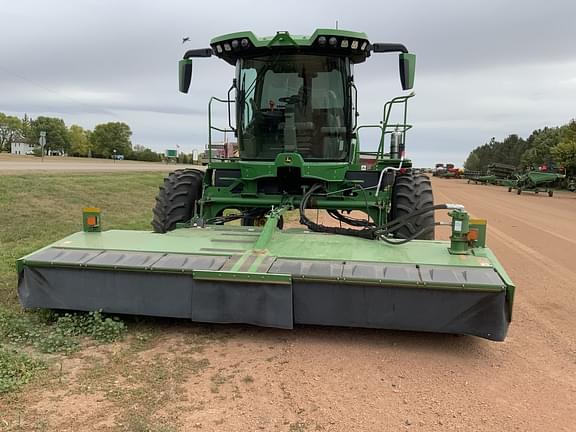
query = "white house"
{"x": 20, "y": 148}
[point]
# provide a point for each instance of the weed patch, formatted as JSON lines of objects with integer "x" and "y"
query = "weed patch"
{"x": 16, "y": 369}
{"x": 63, "y": 334}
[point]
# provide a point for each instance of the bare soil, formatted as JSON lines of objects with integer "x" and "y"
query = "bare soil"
{"x": 191, "y": 377}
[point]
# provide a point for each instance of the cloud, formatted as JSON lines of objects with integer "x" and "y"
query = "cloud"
{"x": 484, "y": 68}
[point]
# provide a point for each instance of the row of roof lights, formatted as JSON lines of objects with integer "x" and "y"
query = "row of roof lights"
{"x": 322, "y": 40}
{"x": 344, "y": 43}
{"x": 232, "y": 45}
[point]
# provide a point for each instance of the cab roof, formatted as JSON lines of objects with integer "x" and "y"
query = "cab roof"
{"x": 232, "y": 46}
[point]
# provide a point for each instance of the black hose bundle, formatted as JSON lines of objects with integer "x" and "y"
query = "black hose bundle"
{"x": 367, "y": 233}
{"x": 350, "y": 220}
{"x": 369, "y": 230}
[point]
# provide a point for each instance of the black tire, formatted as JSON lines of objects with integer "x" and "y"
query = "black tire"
{"x": 410, "y": 193}
{"x": 176, "y": 200}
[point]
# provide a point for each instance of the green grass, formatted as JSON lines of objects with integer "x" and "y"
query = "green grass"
{"x": 36, "y": 210}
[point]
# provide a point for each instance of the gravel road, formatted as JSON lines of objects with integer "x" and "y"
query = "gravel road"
{"x": 10, "y": 165}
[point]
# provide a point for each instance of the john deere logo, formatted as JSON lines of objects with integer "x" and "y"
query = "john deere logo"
{"x": 288, "y": 159}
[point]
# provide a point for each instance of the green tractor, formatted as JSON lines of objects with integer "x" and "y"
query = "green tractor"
{"x": 220, "y": 251}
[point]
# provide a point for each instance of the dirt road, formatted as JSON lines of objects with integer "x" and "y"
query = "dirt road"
{"x": 10, "y": 165}
{"x": 333, "y": 379}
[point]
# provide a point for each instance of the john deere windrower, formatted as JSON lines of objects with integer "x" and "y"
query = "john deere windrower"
{"x": 293, "y": 108}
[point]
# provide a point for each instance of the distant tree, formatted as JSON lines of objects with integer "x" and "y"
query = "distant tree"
{"x": 565, "y": 152}
{"x": 511, "y": 150}
{"x": 10, "y": 131}
{"x": 522, "y": 153}
{"x": 473, "y": 162}
{"x": 142, "y": 153}
{"x": 108, "y": 137}
{"x": 540, "y": 143}
{"x": 508, "y": 152}
{"x": 57, "y": 135}
{"x": 79, "y": 141}
{"x": 568, "y": 131}
{"x": 186, "y": 158}
{"x": 565, "y": 155}
{"x": 28, "y": 131}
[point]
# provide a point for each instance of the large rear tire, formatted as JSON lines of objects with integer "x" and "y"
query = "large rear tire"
{"x": 410, "y": 193}
{"x": 176, "y": 200}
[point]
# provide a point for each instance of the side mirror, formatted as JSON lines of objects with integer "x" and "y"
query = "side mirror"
{"x": 407, "y": 69}
{"x": 184, "y": 75}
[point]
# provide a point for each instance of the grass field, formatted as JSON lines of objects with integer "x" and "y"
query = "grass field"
{"x": 39, "y": 209}
{"x": 35, "y": 211}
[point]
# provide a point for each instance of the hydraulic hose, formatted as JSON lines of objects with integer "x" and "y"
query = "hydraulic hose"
{"x": 369, "y": 230}
{"x": 367, "y": 233}
{"x": 398, "y": 223}
{"x": 350, "y": 220}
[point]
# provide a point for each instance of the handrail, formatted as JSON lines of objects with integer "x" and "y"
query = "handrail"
{"x": 379, "y": 126}
{"x": 210, "y": 127}
{"x": 401, "y": 127}
{"x": 388, "y": 128}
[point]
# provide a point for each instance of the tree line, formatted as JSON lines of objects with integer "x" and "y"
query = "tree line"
{"x": 105, "y": 141}
{"x": 554, "y": 147}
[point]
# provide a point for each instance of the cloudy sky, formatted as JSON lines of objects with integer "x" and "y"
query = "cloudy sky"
{"x": 484, "y": 68}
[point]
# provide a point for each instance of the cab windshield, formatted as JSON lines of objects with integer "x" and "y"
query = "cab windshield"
{"x": 293, "y": 103}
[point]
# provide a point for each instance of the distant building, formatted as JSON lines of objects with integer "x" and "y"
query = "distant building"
{"x": 21, "y": 148}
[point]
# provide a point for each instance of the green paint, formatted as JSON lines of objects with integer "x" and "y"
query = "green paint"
{"x": 269, "y": 228}
{"x": 91, "y": 220}
{"x": 245, "y": 192}
{"x": 294, "y": 243}
{"x": 184, "y": 75}
{"x": 407, "y": 70}
{"x": 284, "y": 38}
{"x": 459, "y": 243}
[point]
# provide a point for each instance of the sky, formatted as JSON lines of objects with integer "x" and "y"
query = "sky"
{"x": 484, "y": 68}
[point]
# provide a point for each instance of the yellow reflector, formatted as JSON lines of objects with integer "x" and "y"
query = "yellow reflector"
{"x": 91, "y": 210}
